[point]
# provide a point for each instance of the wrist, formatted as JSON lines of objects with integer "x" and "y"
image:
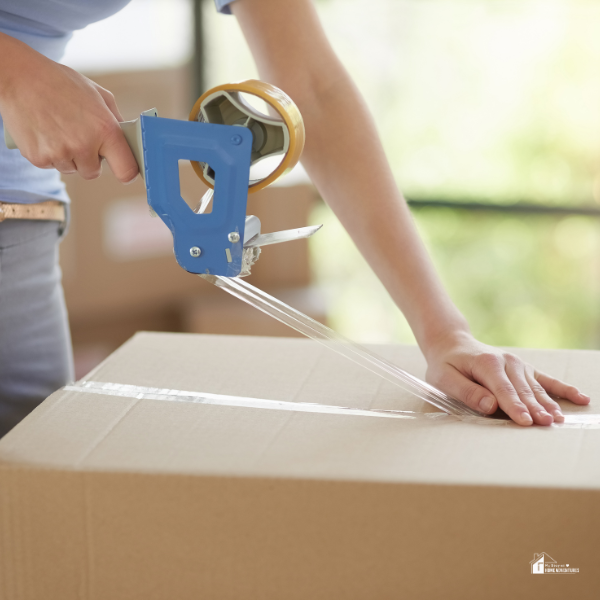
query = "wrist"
{"x": 441, "y": 335}
{"x": 15, "y": 64}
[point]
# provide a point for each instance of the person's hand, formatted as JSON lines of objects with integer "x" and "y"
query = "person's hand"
{"x": 59, "y": 118}
{"x": 485, "y": 378}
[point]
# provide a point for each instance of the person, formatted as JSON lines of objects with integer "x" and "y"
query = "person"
{"x": 65, "y": 123}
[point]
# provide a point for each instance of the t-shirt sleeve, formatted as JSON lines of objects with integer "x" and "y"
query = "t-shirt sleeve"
{"x": 223, "y": 6}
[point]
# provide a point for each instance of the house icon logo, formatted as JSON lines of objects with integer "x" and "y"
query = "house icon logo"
{"x": 539, "y": 562}
{"x": 544, "y": 564}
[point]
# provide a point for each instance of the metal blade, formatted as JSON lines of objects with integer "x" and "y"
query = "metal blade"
{"x": 277, "y": 237}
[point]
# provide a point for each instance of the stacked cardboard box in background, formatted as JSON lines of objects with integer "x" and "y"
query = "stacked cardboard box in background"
{"x": 119, "y": 272}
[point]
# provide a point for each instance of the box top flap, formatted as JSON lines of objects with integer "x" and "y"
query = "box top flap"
{"x": 135, "y": 433}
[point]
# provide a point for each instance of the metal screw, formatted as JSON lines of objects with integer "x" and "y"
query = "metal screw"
{"x": 236, "y": 140}
{"x": 195, "y": 251}
{"x": 234, "y": 237}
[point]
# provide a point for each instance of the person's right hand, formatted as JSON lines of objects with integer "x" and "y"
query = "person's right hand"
{"x": 59, "y": 118}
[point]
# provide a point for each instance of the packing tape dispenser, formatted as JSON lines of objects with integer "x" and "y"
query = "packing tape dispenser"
{"x": 227, "y": 139}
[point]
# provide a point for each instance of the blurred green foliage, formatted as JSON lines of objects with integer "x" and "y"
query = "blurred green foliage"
{"x": 521, "y": 280}
{"x": 489, "y": 99}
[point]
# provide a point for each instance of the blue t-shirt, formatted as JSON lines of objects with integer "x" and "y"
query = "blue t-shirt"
{"x": 46, "y": 26}
{"x": 223, "y": 6}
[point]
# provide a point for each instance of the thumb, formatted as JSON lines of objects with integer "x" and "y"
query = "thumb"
{"x": 119, "y": 156}
{"x": 454, "y": 383}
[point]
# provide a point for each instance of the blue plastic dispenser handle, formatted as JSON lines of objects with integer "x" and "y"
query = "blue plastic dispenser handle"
{"x": 227, "y": 150}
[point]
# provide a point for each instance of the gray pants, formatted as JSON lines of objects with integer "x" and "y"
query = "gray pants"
{"x": 35, "y": 346}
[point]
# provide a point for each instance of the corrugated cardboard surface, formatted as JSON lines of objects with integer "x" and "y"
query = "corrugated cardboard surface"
{"x": 112, "y": 497}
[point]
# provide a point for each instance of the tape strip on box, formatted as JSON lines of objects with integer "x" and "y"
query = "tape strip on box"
{"x": 581, "y": 421}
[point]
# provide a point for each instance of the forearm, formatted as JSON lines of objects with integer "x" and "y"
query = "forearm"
{"x": 345, "y": 159}
{"x": 13, "y": 54}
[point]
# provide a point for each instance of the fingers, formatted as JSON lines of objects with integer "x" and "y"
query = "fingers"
{"x": 472, "y": 394}
{"x": 490, "y": 371}
{"x": 119, "y": 156}
{"x": 509, "y": 401}
{"x": 65, "y": 166}
{"x": 562, "y": 390}
{"x": 114, "y": 147}
{"x": 530, "y": 393}
{"x": 89, "y": 166}
{"x": 521, "y": 397}
{"x": 88, "y": 163}
{"x": 523, "y": 394}
{"x": 541, "y": 395}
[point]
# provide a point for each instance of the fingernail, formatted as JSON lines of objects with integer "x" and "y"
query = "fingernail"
{"x": 130, "y": 181}
{"x": 526, "y": 418}
{"x": 558, "y": 416}
{"x": 584, "y": 396}
{"x": 486, "y": 404}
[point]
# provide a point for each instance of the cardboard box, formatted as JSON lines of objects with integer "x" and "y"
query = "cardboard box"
{"x": 284, "y": 265}
{"x": 94, "y": 339}
{"x": 168, "y": 90}
{"x": 120, "y": 497}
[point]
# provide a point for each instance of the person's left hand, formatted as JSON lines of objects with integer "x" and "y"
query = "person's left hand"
{"x": 485, "y": 378}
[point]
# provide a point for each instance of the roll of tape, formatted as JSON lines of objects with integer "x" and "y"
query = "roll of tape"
{"x": 273, "y": 135}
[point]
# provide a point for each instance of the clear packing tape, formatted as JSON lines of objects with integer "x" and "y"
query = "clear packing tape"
{"x": 136, "y": 392}
{"x": 279, "y": 134}
{"x": 326, "y": 336}
{"x": 282, "y": 133}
